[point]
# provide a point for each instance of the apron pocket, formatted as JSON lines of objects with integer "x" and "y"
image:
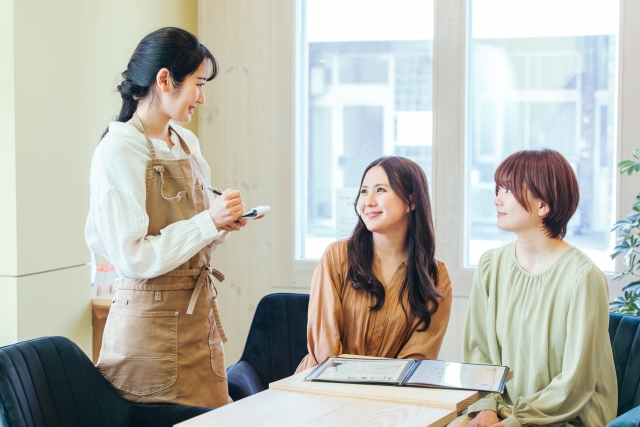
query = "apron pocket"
{"x": 217, "y": 359}
{"x": 140, "y": 353}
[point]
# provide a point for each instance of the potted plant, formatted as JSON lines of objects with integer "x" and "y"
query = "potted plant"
{"x": 628, "y": 246}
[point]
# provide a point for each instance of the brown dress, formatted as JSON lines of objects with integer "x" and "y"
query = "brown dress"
{"x": 163, "y": 341}
{"x": 340, "y": 320}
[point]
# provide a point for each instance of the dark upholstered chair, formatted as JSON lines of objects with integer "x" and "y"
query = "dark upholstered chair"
{"x": 276, "y": 344}
{"x": 624, "y": 332}
{"x": 49, "y": 382}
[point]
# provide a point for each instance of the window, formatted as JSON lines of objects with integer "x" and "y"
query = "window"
{"x": 542, "y": 74}
{"x": 366, "y": 76}
{"x": 510, "y": 75}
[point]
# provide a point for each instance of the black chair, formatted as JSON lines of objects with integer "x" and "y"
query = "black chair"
{"x": 276, "y": 344}
{"x": 624, "y": 332}
{"x": 49, "y": 382}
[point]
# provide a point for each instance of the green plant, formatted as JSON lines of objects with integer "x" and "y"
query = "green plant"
{"x": 628, "y": 246}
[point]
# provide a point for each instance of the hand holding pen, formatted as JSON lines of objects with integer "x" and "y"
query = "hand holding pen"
{"x": 250, "y": 214}
{"x": 226, "y": 209}
{"x": 215, "y": 191}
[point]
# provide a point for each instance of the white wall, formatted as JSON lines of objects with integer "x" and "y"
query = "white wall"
{"x": 61, "y": 63}
{"x": 8, "y": 234}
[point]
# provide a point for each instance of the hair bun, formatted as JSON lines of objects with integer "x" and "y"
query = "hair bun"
{"x": 125, "y": 90}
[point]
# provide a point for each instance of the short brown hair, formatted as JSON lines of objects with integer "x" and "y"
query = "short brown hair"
{"x": 548, "y": 176}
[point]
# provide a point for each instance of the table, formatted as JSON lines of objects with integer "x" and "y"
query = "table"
{"x": 293, "y": 402}
{"x": 99, "y": 311}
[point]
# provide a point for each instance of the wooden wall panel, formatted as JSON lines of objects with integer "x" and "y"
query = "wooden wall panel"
{"x": 246, "y": 131}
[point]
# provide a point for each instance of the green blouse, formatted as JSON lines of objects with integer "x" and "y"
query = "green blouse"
{"x": 552, "y": 330}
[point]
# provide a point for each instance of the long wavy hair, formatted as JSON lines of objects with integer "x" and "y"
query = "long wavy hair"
{"x": 419, "y": 285}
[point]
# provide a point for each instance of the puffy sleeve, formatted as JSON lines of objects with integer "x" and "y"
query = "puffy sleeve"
{"x": 324, "y": 327}
{"x": 477, "y": 345}
{"x": 122, "y": 226}
{"x": 587, "y": 328}
{"x": 426, "y": 344}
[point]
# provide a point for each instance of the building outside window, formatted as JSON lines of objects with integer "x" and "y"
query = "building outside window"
{"x": 368, "y": 93}
{"x": 540, "y": 80}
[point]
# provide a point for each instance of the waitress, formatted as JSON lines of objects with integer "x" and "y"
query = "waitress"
{"x": 153, "y": 217}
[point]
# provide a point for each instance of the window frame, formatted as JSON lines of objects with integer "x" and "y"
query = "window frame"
{"x": 450, "y": 115}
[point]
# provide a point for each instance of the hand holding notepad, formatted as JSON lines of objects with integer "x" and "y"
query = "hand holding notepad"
{"x": 255, "y": 213}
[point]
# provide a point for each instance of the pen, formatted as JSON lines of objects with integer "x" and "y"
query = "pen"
{"x": 215, "y": 191}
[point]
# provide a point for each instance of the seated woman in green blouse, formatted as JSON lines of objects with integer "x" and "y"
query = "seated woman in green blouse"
{"x": 539, "y": 306}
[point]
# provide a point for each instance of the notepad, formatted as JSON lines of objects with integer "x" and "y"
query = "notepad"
{"x": 409, "y": 372}
{"x": 253, "y": 213}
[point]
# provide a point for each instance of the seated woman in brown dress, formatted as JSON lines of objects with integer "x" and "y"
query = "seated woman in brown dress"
{"x": 382, "y": 292}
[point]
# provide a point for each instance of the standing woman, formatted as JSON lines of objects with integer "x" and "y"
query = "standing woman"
{"x": 153, "y": 217}
{"x": 382, "y": 292}
{"x": 540, "y": 306}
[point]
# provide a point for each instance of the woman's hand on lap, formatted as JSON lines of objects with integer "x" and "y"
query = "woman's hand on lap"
{"x": 485, "y": 419}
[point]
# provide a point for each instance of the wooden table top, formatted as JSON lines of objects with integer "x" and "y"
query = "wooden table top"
{"x": 292, "y": 409}
{"x": 293, "y": 402}
{"x": 454, "y": 400}
{"x": 103, "y": 301}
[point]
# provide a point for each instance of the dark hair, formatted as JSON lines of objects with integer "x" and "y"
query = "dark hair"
{"x": 173, "y": 48}
{"x": 548, "y": 176}
{"x": 419, "y": 285}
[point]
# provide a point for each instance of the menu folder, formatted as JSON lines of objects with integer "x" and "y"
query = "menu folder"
{"x": 413, "y": 373}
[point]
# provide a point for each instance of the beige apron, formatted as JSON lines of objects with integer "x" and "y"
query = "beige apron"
{"x": 163, "y": 339}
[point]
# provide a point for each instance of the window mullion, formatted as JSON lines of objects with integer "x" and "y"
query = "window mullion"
{"x": 450, "y": 82}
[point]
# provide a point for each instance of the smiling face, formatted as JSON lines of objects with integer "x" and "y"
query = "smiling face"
{"x": 381, "y": 209}
{"x": 512, "y": 216}
{"x": 180, "y": 103}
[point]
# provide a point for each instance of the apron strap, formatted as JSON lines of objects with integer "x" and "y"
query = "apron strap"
{"x": 187, "y": 152}
{"x": 216, "y": 314}
{"x": 138, "y": 124}
{"x": 206, "y": 277}
{"x": 183, "y": 144}
{"x": 194, "y": 272}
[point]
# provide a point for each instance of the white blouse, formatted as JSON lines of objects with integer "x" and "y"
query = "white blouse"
{"x": 118, "y": 223}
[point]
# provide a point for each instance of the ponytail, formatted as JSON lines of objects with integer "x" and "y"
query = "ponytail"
{"x": 129, "y": 102}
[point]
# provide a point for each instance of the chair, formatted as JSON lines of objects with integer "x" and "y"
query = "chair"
{"x": 624, "y": 332}
{"x": 276, "y": 344}
{"x": 49, "y": 382}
